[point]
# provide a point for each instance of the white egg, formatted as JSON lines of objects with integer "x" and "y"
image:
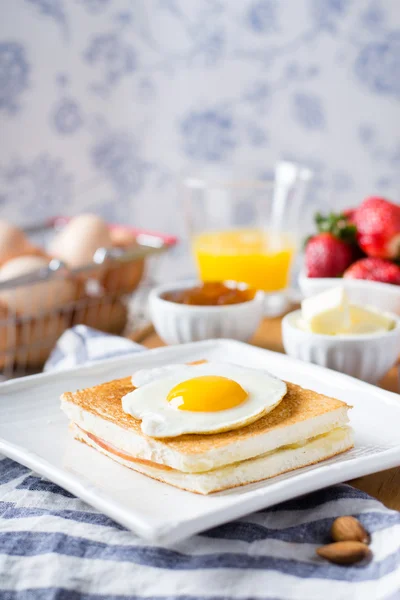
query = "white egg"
{"x": 77, "y": 243}
{"x": 34, "y": 298}
{"x": 222, "y": 397}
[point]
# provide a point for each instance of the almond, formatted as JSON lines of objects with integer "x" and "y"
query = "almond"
{"x": 344, "y": 553}
{"x": 349, "y": 529}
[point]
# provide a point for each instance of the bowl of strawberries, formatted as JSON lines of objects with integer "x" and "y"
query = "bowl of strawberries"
{"x": 360, "y": 246}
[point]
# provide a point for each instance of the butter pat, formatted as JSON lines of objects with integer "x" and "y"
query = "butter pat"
{"x": 367, "y": 320}
{"x": 331, "y": 313}
{"x": 327, "y": 313}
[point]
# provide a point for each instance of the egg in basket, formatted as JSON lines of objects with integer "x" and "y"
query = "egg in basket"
{"x": 82, "y": 272}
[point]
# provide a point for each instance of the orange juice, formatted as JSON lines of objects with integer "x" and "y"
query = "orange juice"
{"x": 253, "y": 256}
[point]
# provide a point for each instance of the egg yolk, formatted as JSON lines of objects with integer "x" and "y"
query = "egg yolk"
{"x": 208, "y": 393}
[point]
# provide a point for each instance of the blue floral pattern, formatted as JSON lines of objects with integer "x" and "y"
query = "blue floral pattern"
{"x": 378, "y": 65}
{"x": 329, "y": 13}
{"x": 114, "y": 57}
{"x": 116, "y": 157}
{"x": 374, "y": 17}
{"x": 308, "y": 111}
{"x": 67, "y": 117}
{"x": 40, "y": 187}
{"x": 103, "y": 103}
{"x": 54, "y": 9}
{"x": 95, "y": 6}
{"x": 14, "y": 74}
{"x": 208, "y": 135}
{"x": 263, "y": 16}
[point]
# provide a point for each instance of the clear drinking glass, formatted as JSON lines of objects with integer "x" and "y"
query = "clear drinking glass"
{"x": 246, "y": 230}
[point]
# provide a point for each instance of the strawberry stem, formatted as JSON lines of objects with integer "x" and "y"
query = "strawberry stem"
{"x": 338, "y": 225}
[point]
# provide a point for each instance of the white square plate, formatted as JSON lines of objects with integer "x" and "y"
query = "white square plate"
{"x": 34, "y": 432}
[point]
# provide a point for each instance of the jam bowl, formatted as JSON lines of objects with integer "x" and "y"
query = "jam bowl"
{"x": 191, "y": 311}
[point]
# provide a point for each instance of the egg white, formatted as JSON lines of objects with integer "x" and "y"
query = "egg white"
{"x": 161, "y": 419}
{"x": 145, "y": 376}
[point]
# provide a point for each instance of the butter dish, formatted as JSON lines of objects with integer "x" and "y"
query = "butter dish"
{"x": 367, "y": 356}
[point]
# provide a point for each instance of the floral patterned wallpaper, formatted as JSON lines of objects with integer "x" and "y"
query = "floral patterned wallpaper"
{"x": 103, "y": 103}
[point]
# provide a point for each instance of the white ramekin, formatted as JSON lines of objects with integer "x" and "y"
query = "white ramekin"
{"x": 180, "y": 323}
{"x": 365, "y": 356}
{"x": 383, "y": 296}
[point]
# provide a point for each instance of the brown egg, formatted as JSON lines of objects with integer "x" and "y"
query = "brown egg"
{"x": 106, "y": 314}
{"x": 36, "y": 338}
{"x": 123, "y": 278}
{"x": 32, "y": 250}
{"x": 8, "y": 336}
{"x": 77, "y": 243}
{"x": 34, "y": 298}
{"x": 13, "y": 242}
{"x": 122, "y": 237}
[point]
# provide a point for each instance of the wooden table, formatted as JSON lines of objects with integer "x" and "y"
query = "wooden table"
{"x": 385, "y": 485}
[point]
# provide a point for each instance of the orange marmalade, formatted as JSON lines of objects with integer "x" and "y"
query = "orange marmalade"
{"x": 210, "y": 293}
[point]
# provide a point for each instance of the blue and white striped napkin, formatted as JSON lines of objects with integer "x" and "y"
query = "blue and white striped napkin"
{"x": 54, "y": 546}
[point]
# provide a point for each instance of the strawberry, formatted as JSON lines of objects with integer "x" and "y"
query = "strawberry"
{"x": 331, "y": 251}
{"x": 374, "y": 269}
{"x": 378, "y": 227}
{"x": 327, "y": 256}
{"x": 349, "y": 214}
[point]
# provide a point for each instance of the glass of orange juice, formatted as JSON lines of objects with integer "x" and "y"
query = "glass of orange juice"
{"x": 245, "y": 230}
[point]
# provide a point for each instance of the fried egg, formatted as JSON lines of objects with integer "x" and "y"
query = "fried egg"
{"x": 205, "y": 398}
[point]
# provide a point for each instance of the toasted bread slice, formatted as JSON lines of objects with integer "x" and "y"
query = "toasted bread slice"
{"x": 301, "y": 415}
{"x": 255, "y": 469}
